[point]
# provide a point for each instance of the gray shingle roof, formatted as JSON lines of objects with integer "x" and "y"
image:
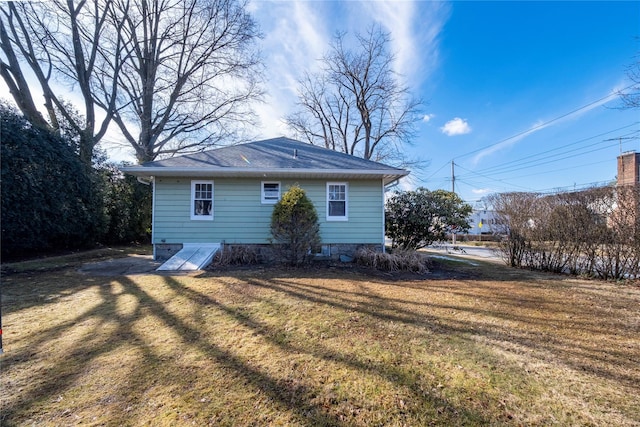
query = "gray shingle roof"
{"x": 283, "y": 156}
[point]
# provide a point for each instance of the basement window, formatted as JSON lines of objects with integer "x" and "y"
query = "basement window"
{"x": 270, "y": 192}
{"x": 202, "y": 200}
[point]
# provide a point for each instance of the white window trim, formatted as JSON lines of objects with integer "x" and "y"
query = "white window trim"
{"x": 263, "y": 200}
{"x": 192, "y": 200}
{"x": 346, "y": 202}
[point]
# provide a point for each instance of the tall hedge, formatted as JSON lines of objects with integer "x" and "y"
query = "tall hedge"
{"x": 49, "y": 198}
{"x": 127, "y": 207}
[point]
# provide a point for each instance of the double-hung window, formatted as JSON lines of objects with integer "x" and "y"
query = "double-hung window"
{"x": 270, "y": 192}
{"x": 202, "y": 200}
{"x": 337, "y": 209}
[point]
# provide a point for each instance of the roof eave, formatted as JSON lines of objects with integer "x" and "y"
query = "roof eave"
{"x": 388, "y": 175}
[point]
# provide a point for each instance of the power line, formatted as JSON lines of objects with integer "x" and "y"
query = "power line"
{"x": 493, "y": 179}
{"x": 551, "y": 189}
{"x": 581, "y": 166}
{"x": 574, "y": 187}
{"x": 504, "y": 183}
{"x": 526, "y": 159}
{"x": 538, "y": 162}
{"x": 442, "y": 167}
{"x": 545, "y": 124}
{"x": 539, "y": 159}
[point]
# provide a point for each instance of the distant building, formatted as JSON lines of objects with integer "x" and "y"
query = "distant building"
{"x": 628, "y": 189}
{"x": 484, "y": 221}
{"x": 616, "y": 208}
{"x": 628, "y": 168}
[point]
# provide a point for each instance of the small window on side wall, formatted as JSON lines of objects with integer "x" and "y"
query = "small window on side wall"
{"x": 270, "y": 192}
{"x": 337, "y": 208}
{"x": 202, "y": 200}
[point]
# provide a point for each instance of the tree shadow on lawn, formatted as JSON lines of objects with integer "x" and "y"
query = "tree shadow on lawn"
{"x": 71, "y": 364}
{"x": 36, "y": 283}
{"x": 48, "y": 287}
{"x": 26, "y": 290}
{"x": 110, "y": 330}
{"x": 546, "y": 324}
{"x": 107, "y": 331}
{"x": 303, "y": 400}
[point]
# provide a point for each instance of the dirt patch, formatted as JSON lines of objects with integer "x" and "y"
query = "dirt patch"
{"x": 130, "y": 265}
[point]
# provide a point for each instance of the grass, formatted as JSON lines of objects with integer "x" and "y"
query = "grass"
{"x": 465, "y": 345}
{"x": 72, "y": 259}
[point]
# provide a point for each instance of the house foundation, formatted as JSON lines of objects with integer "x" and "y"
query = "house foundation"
{"x": 164, "y": 251}
{"x": 269, "y": 254}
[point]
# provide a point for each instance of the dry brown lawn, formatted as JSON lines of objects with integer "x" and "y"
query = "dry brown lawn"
{"x": 465, "y": 345}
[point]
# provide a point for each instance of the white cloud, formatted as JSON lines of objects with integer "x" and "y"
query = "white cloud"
{"x": 506, "y": 143}
{"x": 456, "y": 126}
{"x": 295, "y": 37}
{"x": 298, "y": 33}
{"x": 415, "y": 27}
{"x": 397, "y": 18}
{"x": 481, "y": 191}
{"x": 427, "y": 117}
{"x": 540, "y": 125}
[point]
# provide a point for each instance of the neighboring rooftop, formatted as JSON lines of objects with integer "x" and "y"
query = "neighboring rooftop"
{"x": 277, "y": 156}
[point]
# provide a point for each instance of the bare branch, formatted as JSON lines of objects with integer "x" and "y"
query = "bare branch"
{"x": 169, "y": 73}
{"x": 190, "y": 74}
{"x": 631, "y": 96}
{"x": 61, "y": 42}
{"x": 357, "y": 104}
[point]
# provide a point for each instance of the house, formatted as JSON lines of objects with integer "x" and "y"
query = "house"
{"x": 485, "y": 221}
{"x": 226, "y": 195}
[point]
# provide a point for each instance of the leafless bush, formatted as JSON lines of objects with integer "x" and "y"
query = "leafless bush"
{"x": 236, "y": 255}
{"x": 620, "y": 247}
{"x": 397, "y": 261}
{"x": 594, "y": 232}
{"x": 514, "y": 209}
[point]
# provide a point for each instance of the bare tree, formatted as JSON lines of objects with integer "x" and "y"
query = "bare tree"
{"x": 189, "y": 71}
{"x": 173, "y": 75}
{"x": 59, "y": 42}
{"x": 357, "y": 104}
{"x": 631, "y": 96}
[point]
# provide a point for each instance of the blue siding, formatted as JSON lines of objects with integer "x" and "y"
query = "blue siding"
{"x": 240, "y": 217}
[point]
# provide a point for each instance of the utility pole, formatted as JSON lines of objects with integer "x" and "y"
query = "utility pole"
{"x": 453, "y": 177}
{"x": 453, "y": 190}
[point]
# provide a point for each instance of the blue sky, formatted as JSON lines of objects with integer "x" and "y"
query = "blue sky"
{"x": 519, "y": 94}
